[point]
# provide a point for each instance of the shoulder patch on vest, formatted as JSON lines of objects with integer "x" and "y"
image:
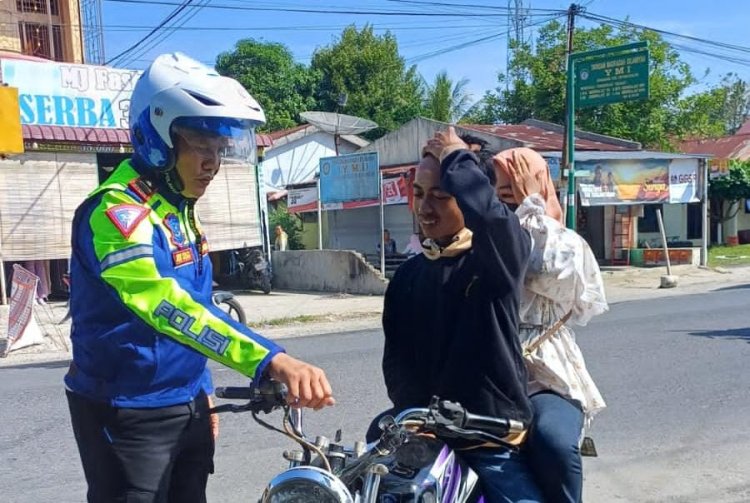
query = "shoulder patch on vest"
{"x": 126, "y": 217}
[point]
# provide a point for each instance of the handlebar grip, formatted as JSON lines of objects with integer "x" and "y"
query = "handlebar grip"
{"x": 235, "y": 392}
{"x": 496, "y": 426}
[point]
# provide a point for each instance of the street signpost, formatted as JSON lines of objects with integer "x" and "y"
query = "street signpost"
{"x": 351, "y": 177}
{"x": 600, "y": 77}
{"x": 612, "y": 79}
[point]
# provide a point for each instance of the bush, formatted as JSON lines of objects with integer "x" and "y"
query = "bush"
{"x": 290, "y": 223}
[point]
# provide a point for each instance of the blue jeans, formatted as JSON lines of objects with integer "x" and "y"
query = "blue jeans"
{"x": 504, "y": 475}
{"x": 553, "y": 447}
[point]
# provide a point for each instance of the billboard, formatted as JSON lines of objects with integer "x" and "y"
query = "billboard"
{"x": 637, "y": 181}
{"x": 351, "y": 177}
{"x": 305, "y": 199}
{"x": 62, "y": 94}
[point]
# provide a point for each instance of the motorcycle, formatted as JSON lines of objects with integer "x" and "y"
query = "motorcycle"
{"x": 407, "y": 463}
{"x": 250, "y": 267}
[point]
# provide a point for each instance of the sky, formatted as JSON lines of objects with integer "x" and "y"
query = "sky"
{"x": 424, "y": 38}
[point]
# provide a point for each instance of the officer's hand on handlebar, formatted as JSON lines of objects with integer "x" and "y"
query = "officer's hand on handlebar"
{"x": 308, "y": 385}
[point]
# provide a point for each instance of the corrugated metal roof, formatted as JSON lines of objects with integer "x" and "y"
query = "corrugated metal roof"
{"x": 745, "y": 129}
{"x": 626, "y": 154}
{"x": 727, "y": 147}
{"x": 541, "y": 139}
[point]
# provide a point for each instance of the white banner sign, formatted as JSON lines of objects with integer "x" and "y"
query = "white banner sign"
{"x": 683, "y": 181}
{"x": 22, "y": 328}
{"x": 61, "y": 94}
{"x": 302, "y": 199}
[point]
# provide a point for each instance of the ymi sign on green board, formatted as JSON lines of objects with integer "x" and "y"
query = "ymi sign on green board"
{"x": 612, "y": 78}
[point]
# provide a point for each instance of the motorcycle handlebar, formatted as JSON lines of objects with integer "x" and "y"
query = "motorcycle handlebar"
{"x": 264, "y": 397}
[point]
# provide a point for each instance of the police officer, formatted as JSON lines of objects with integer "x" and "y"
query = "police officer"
{"x": 143, "y": 321}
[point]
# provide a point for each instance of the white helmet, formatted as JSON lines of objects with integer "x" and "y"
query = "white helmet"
{"x": 176, "y": 91}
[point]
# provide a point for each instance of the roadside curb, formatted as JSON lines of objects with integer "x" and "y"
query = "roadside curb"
{"x": 334, "y": 313}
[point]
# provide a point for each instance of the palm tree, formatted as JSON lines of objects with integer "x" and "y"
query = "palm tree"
{"x": 446, "y": 101}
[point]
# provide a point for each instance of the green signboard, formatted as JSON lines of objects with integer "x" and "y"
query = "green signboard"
{"x": 611, "y": 78}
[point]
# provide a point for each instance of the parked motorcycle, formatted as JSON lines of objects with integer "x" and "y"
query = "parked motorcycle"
{"x": 257, "y": 269}
{"x": 403, "y": 465}
{"x": 248, "y": 268}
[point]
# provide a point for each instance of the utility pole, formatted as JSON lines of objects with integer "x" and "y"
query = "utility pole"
{"x": 569, "y": 128}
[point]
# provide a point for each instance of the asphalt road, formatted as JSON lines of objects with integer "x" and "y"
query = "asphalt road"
{"x": 674, "y": 372}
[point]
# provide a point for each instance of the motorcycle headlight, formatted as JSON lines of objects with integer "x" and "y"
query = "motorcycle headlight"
{"x": 306, "y": 484}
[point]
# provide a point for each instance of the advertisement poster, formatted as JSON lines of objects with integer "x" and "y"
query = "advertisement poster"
{"x": 61, "y": 94}
{"x": 303, "y": 199}
{"x": 683, "y": 181}
{"x": 622, "y": 182}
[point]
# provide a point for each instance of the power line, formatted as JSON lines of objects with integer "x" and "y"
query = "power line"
{"x": 315, "y": 11}
{"x": 178, "y": 23}
{"x": 618, "y": 22}
{"x": 445, "y": 50}
{"x": 166, "y": 20}
{"x": 474, "y": 6}
{"x": 388, "y": 27}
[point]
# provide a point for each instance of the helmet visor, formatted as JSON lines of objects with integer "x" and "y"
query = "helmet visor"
{"x": 232, "y": 140}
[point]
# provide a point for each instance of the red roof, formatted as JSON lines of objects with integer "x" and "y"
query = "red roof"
{"x": 94, "y": 135}
{"x": 18, "y": 55}
{"x": 541, "y": 139}
{"x": 75, "y": 134}
{"x": 745, "y": 129}
{"x": 727, "y": 147}
{"x": 285, "y": 132}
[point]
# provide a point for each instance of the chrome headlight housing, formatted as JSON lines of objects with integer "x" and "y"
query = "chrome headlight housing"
{"x": 306, "y": 484}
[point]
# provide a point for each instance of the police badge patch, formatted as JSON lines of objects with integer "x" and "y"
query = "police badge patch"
{"x": 126, "y": 217}
{"x": 176, "y": 236}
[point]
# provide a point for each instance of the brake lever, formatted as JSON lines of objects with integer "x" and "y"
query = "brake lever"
{"x": 456, "y": 432}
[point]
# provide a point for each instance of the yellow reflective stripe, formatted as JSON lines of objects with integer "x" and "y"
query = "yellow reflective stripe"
{"x": 163, "y": 305}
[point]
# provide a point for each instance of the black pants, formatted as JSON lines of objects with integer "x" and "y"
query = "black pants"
{"x": 143, "y": 455}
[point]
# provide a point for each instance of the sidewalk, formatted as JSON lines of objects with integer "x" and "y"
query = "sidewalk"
{"x": 291, "y": 314}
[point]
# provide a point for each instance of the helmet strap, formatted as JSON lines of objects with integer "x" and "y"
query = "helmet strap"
{"x": 173, "y": 180}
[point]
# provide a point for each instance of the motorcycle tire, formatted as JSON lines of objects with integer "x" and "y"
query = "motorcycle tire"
{"x": 234, "y": 309}
{"x": 265, "y": 285}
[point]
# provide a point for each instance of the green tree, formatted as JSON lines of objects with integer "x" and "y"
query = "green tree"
{"x": 368, "y": 69}
{"x": 446, "y": 101}
{"x": 290, "y": 223}
{"x": 268, "y": 71}
{"x": 736, "y": 108}
{"x": 540, "y": 91}
{"x": 727, "y": 193}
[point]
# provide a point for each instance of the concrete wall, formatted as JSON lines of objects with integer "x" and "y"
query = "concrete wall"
{"x": 326, "y": 271}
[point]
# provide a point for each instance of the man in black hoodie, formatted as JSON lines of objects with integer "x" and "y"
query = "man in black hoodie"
{"x": 451, "y": 314}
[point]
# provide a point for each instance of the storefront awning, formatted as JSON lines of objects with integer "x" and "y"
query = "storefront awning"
{"x": 33, "y": 132}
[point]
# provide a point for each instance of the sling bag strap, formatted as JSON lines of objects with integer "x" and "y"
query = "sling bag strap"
{"x": 535, "y": 343}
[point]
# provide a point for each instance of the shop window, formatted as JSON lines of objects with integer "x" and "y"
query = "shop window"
{"x": 694, "y": 220}
{"x": 648, "y": 222}
{"x": 38, "y": 6}
{"x": 35, "y": 40}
